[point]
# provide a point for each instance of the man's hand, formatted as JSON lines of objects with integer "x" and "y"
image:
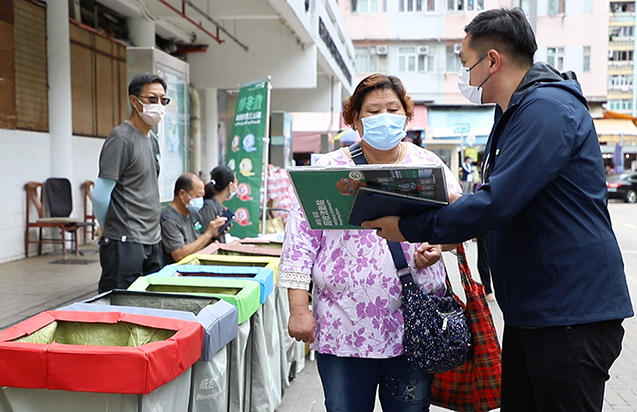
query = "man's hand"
{"x": 453, "y": 197}
{"x": 386, "y": 227}
{"x": 213, "y": 227}
{"x": 426, "y": 255}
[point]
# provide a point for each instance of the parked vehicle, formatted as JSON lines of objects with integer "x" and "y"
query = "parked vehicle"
{"x": 622, "y": 186}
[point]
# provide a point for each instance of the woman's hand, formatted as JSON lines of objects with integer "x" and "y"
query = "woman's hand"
{"x": 426, "y": 255}
{"x": 301, "y": 325}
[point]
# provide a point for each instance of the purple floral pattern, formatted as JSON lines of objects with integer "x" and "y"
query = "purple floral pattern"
{"x": 356, "y": 293}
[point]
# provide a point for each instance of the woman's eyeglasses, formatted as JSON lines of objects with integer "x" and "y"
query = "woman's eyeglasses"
{"x": 155, "y": 99}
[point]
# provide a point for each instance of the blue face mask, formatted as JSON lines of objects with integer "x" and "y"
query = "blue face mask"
{"x": 195, "y": 204}
{"x": 384, "y": 131}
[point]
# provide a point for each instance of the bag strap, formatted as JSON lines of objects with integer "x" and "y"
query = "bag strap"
{"x": 402, "y": 269}
{"x": 463, "y": 267}
{"x": 356, "y": 151}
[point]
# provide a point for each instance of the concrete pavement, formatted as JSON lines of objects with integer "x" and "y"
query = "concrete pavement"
{"x": 29, "y": 286}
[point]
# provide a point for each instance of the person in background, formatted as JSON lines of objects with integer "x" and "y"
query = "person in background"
{"x": 126, "y": 193}
{"x": 222, "y": 186}
{"x": 356, "y": 323}
{"x": 182, "y": 230}
{"x": 555, "y": 262}
{"x": 467, "y": 175}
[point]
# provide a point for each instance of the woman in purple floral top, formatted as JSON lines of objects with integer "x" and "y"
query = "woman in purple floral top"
{"x": 356, "y": 326}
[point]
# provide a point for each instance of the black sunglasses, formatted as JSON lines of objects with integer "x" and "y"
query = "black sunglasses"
{"x": 155, "y": 99}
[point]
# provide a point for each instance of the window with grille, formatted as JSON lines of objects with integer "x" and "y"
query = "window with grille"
{"x": 556, "y": 6}
{"x": 452, "y": 61}
{"x": 409, "y": 5}
{"x": 618, "y": 81}
{"x": 425, "y": 63}
{"x": 465, "y": 5}
{"x": 416, "y": 5}
{"x": 367, "y": 61}
{"x": 369, "y": 6}
{"x": 621, "y": 55}
{"x": 620, "y": 104}
{"x": 523, "y": 4}
{"x": 555, "y": 57}
{"x": 407, "y": 59}
{"x": 98, "y": 82}
{"x": 586, "y": 59}
{"x": 23, "y": 67}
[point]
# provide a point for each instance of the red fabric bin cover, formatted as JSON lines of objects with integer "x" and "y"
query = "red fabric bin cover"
{"x": 104, "y": 369}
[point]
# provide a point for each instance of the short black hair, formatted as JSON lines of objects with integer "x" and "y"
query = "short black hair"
{"x": 184, "y": 182}
{"x": 506, "y": 30}
{"x": 142, "y": 79}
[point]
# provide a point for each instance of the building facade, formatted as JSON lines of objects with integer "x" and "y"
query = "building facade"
{"x": 66, "y": 64}
{"x": 419, "y": 41}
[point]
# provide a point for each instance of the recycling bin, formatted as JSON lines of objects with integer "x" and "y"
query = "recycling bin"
{"x": 217, "y": 317}
{"x": 243, "y": 294}
{"x": 220, "y": 260}
{"x": 263, "y": 275}
{"x": 94, "y": 361}
{"x": 240, "y": 249}
{"x": 209, "y": 386}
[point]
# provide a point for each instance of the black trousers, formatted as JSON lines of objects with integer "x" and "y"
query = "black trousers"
{"x": 123, "y": 262}
{"x": 483, "y": 266}
{"x": 560, "y": 368}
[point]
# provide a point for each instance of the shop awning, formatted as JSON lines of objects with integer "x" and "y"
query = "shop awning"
{"x": 612, "y": 129}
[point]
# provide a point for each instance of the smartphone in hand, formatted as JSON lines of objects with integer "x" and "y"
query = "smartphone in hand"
{"x": 231, "y": 217}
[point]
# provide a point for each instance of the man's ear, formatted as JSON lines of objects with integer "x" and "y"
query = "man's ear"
{"x": 132, "y": 100}
{"x": 495, "y": 59}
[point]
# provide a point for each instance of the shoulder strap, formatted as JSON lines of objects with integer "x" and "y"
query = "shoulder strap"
{"x": 396, "y": 251}
{"x": 356, "y": 151}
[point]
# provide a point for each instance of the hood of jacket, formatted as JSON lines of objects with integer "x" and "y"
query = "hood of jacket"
{"x": 542, "y": 74}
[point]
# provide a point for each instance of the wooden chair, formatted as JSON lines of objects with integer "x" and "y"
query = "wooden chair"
{"x": 35, "y": 198}
{"x": 89, "y": 214}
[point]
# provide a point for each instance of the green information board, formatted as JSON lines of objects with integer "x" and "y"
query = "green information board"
{"x": 246, "y": 156}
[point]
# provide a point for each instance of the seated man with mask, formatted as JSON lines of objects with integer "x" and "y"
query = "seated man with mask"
{"x": 181, "y": 229}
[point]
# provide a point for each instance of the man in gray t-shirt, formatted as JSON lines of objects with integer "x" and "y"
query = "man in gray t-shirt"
{"x": 126, "y": 193}
{"x": 182, "y": 230}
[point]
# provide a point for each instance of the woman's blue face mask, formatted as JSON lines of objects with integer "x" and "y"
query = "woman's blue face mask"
{"x": 384, "y": 131}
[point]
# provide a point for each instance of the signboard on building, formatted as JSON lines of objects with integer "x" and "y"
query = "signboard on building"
{"x": 461, "y": 128}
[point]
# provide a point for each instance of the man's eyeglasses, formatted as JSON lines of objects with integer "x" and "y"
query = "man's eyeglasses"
{"x": 155, "y": 99}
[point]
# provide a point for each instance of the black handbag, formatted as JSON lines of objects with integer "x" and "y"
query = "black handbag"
{"x": 437, "y": 335}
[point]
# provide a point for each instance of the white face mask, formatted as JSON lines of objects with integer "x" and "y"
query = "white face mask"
{"x": 472, "y": 93}
{"x": 152, "y": 113}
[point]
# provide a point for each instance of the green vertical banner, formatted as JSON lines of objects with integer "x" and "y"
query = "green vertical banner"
{"x": 247, "y": 155}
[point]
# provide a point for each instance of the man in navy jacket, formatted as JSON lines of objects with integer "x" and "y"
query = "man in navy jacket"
{"x": 557, "y": 269}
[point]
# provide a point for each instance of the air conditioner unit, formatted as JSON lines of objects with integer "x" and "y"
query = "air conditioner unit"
{"x": 423, "y": 49}
{"x": 456, "y": 48}
{"x": 381, "y": 49}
